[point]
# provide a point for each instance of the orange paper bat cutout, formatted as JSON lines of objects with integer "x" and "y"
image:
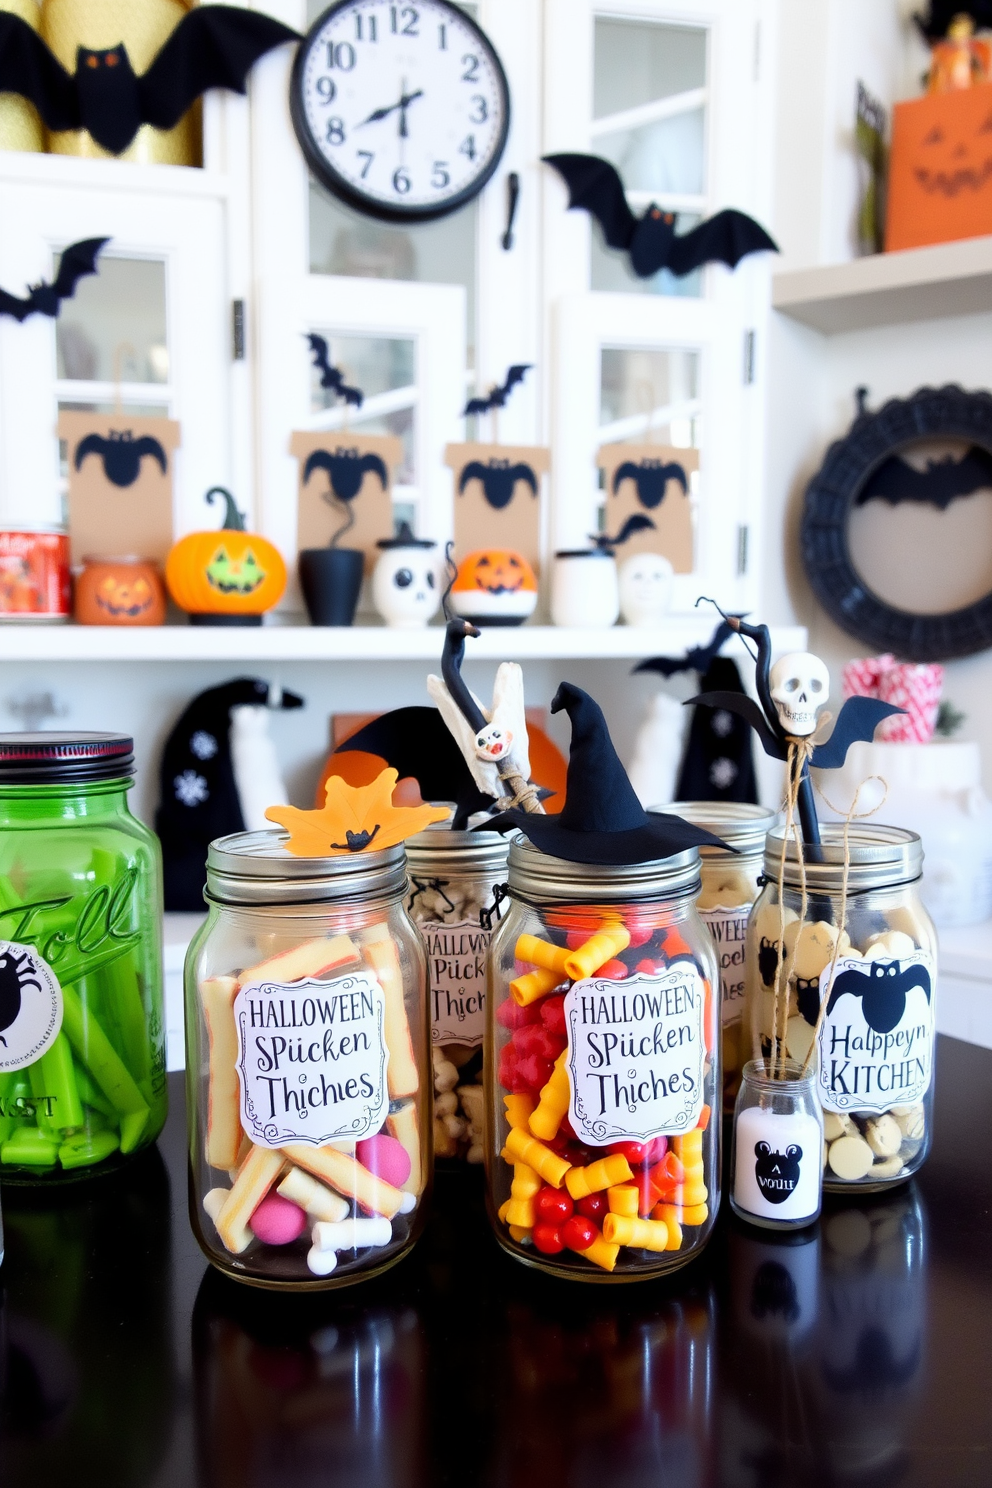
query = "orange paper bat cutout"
{"x": 354, "y": 818}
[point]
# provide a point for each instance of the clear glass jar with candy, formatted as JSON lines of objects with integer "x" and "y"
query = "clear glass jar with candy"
{"x": 306, "y": 1065}
{"x": 454, "y": 899}
{"x": 730, "y": 878}
{"x": 874, "y": 1050}
{"x": 602, "y": 1068}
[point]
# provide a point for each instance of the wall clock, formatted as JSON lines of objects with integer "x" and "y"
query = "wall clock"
{"x": 400, "y": 110}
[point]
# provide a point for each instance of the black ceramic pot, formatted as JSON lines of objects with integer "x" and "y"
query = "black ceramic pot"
{"x": 331, "y": 579}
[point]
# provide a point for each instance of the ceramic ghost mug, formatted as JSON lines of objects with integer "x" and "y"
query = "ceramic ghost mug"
{"x": 405, "y": 587}
{"x": 645, "y": 588}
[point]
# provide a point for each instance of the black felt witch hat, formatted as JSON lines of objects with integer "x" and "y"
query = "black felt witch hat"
{"x": 602, "y": 820}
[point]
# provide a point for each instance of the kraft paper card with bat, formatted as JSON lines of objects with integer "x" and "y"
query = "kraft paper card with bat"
{"x": 120, "y": 484}
{"x": 498, "y": 497}
{"x": 346, "y": 489}
{"x": 652, "y": 480}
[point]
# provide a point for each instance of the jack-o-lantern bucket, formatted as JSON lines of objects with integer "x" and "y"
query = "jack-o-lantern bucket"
{"x": 230, "y": 577}
{"x": 119, "y": 591}
{"x": 940, "y": 169}
{"x": 495, "y": 586}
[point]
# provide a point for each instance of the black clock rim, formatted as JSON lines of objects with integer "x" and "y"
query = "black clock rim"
{"x": 343, "y": 189}
{"x": 948, "y": 413}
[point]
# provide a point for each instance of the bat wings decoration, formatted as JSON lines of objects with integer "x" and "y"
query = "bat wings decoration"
{"x": 882, "y": 991}
{"x": 213, "y": 46}
{"x": 497, "y": 395}
{"x": 651, "y": 240}
{"x": 651, "y": 478}
{"x": 121, "y": 454}
{"x": 332, "y": 377}
{"x": 78, "y": 260}
{"x": 895, "y": 480}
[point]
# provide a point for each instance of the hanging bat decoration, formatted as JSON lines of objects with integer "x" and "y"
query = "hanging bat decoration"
{"x": 697, "y": 659}
{"x": 882, "y": 992}
{"x": 417, "y": 743}
{"x": 78, "y": 260}
{"x": 333, "y": 377}
{"x": 121, "y": 454}
{"x": 938, "y": 485}
{"x": 498, "y": 395}
{"x": 636, "y": 523}
{"x": 651, "y": 478}
{"x": 498, "y": 479}
{"x": 651, "y": 241}
{"x": 213, "y": 46}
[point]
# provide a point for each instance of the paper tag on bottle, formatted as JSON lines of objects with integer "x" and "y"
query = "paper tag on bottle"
{"x": 31, "y": 1005}
{"x": 876, "y": 1040}
{"x": 312, "y": 1059}
{"x": 635, "y": 1055}
{"x": 728, "y": 927}
{"x": 779, "y": 1163}
{"x": 456, "y": 970}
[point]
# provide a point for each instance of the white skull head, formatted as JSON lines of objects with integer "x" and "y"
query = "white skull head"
{"x": 493, "y": 743}
{"x": 800, "y": 684}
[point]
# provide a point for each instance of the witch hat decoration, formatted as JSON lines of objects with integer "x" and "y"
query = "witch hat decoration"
{"x": 602, "y": 820}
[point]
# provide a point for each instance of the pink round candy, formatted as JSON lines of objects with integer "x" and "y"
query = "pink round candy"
{"x": 278, "y": 1221}
{"x": 386, "y": 1157}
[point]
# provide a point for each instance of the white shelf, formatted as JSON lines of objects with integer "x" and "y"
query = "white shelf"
{"x": 355, "y": 643}
{"x": 889, "y": 288}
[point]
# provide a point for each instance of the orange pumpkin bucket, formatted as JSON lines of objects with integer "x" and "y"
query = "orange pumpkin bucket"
{"x": 495, "y": 586}
{"x": 940, "y": 169}
{"x": 119, "y": 591}
{"x": 225, "y": 577}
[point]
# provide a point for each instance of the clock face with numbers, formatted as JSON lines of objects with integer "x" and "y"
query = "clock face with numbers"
{"x": 401, "y": 110}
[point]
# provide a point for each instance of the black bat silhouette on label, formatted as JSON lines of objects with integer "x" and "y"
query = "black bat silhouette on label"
{"x": 78, "y": 260}
{"x": 416, "y": 742}
{"x": 498, "y": 478}
{"x": 121, "y": 454}
{"x": 332, "y": 377}
{"x": 595, "y": 186}
{"x": 16, "y": 977}
{"x": 497, "y": 395}
{"x": 213, "y": 46}
{"x": 938, "y": 485}
{"x": 356, "y": 841}
{"x": 882, "y": 992}
{"x": 346, "y": 470}
{"x": 651, "y": 478}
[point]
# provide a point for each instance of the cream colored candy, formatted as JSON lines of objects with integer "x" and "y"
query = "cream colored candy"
{"x": 911, "y": 1121}
{"x": 725, "y": 891}
{"x": 835, "y": 1125}
{"x": 446, "y": 1104}
{"x": 319, "y": 1201}
{"x": 214, "y": 1200}
{"x": 445, "y": 1075}
{"x": 902, "y": 918}
{"x": 850, "y": 1158}
{"x": 896, "y": 942}
{"x": 884, "y": 1136}
{"x": 798, "y": 1039}
{"x": 767, "y": 920}
{"x": 889, "y": 1167}
{"x": 813, "y": 947}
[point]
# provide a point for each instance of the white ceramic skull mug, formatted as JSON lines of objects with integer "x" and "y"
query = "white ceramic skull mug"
{"x": 645, "y": 589}
{"x": 800, "y": 685}
{"x": 406, "y": 586}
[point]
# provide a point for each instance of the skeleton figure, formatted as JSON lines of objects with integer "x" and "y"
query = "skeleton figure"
{"x": 799, "y": 684}
{"x": 504, "y": 736}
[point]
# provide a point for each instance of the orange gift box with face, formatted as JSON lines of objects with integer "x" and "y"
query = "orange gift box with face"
{"x": 940, "y": 173}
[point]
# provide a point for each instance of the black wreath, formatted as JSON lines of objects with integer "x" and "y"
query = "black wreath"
{"x": 946, "y": 413}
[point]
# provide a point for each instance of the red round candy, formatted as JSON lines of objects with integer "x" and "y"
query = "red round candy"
{"x": 651, "y": 966}
{"x": 639, "y": 934}
{"x": 548, "y": 1239}
{"x": 636, "y": 1153}
{"x": 554, "y": 1205}
{"x": 594, "y": 1206}
{"x": 615, "y": 970}
{"x": 578, "y": 1232}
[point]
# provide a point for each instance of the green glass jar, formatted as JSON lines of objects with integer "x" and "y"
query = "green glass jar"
{"x": 82, "y": 1035}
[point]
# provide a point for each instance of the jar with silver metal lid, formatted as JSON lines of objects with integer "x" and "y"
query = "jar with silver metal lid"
{"x": 454, "y": 899}
{"x": 602, "y": 1068}
{"x": 871, "y": 957}
{"x": 730, "y": 878}
{"x": 306, "y": 1065}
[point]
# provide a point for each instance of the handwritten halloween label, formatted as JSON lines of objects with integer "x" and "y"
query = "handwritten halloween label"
{"x": 635, "y": 1055}
{"x": 31, "y": 1006}
{"x": 728, "y": 928}
{"x": 876, "y": 1040}
{"x": 456, "y": 962}
{"x": 311, "y": 1059}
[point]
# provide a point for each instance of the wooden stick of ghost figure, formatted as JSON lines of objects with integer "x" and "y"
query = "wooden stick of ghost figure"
{"x": 495, "y": 748}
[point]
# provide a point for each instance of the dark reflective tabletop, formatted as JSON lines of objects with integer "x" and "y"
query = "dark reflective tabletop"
{"x": 857, "y": 1353}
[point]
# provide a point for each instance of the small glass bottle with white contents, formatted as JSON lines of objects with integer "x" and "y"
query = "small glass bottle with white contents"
{"x": 776, "y": 1164}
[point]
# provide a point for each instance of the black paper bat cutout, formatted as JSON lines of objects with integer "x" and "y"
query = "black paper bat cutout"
{"x": 497, "y": 395}
{"x": 638, "y": 522}
{"x": 78, "y": 260}
{"x": 213, "y": 46}
{"x": 333, "y": 377}
{"x": 346, "y": 470}
{"x": 651, "y": 477}
{"x": 942, "y": 12}
{"x": 416, "y": 742}
{"x": 595, "y": 186}
{"x": 498, "y": 478}
{"x": 857, "y": 720}
{"x": 939, "y": 484}
{"x": 696, "y": 659}
{"x": 882, "y": 992}
{"x": 121, "y": 454}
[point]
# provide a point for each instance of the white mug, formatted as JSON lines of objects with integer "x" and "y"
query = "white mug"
{"x": 584, "y": 589}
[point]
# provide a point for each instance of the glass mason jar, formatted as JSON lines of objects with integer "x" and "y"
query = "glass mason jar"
{"x": 82, "y": 1061}
{"x": 730, "y": 886}
{"x": 875, "y": 1051}
{"x": 602, "y": 1068}
{"x": 306, "y": 1059}
{"x": 777, "y": 1155}
{"x": 453, "y": 876}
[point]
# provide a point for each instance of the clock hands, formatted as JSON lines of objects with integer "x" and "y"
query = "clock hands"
{"x": 383, "y": 113}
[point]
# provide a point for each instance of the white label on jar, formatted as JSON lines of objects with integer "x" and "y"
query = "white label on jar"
{"x": 876, "y": 1038}
{"x": 728, "y": 927}
{"x": 635, "y": 1055}
{"x": 456, "y": 964}
{"x": 30, "y": 1005}
{"x": 311, "y": 1059}
{"x": 779, "y": 1163}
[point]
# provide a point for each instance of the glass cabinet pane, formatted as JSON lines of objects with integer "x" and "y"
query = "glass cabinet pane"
{"x": 654, "y": 391}
{"x": 638, "y": 62}
{"x": 114, "y": 327}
